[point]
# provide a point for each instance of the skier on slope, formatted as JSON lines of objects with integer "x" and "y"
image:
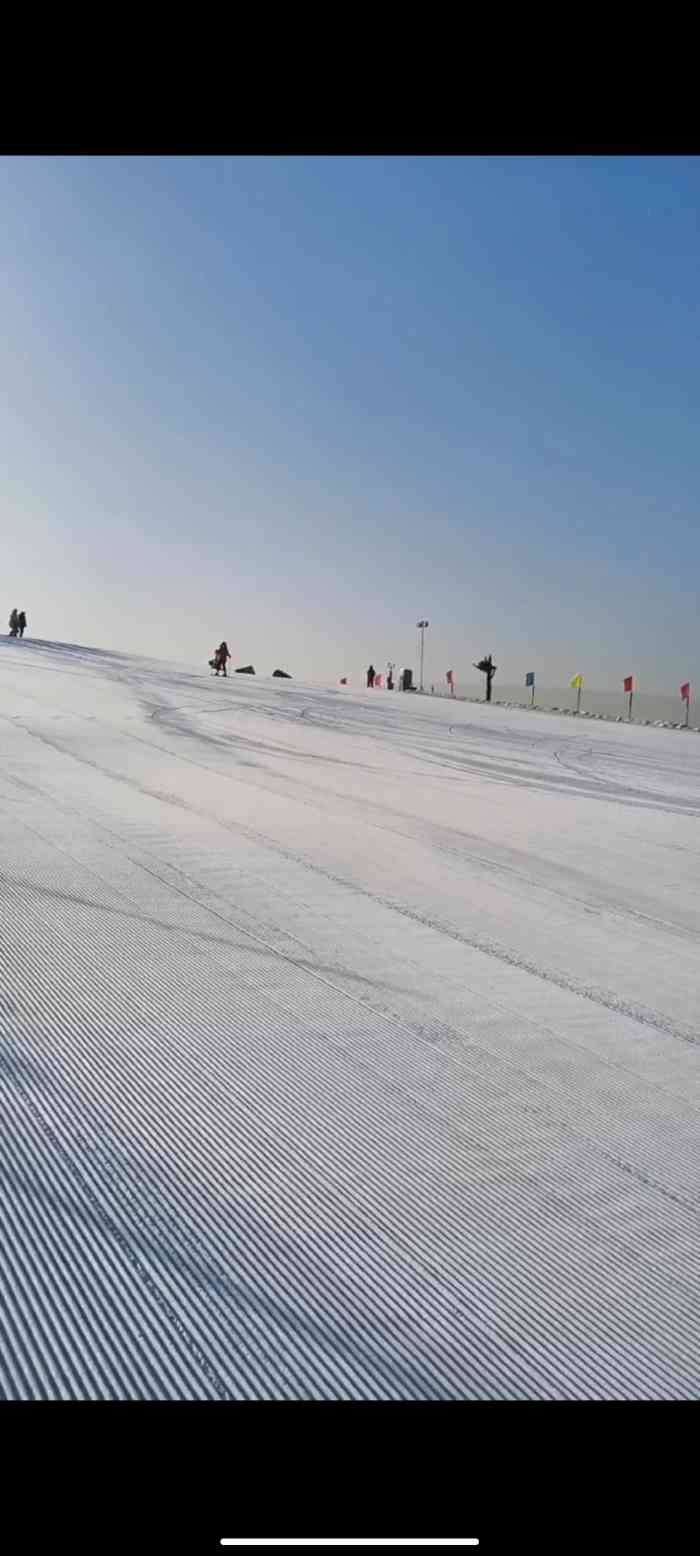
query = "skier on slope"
{"x": 21, "y": 624}
{"x": 13, "y": 624}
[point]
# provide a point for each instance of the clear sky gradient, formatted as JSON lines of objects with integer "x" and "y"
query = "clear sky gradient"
{"x": 300, "y": 403}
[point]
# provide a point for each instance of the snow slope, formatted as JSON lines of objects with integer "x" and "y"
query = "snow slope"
{"x": 349, "y": 1043}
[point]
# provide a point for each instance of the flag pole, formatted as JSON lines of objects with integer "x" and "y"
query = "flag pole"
{"x": 687, "y": 710}
{"x": 532, "y": 696}
{"x": 578, "y": 700}
{"x": 629, "y": 710}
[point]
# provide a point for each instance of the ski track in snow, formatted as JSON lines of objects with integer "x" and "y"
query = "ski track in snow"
{"x": 349, "y": 1044}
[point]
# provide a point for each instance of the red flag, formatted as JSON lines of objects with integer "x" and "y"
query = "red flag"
{"x": 685, "y": 691}
{"x": 629, "y": 679}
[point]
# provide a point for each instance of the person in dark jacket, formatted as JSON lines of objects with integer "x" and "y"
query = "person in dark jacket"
{"x": 370, "y": 675}
{"x": 21, "y": 623}
{"x": 222, "y": 656}
{"x": 13, "y": 624}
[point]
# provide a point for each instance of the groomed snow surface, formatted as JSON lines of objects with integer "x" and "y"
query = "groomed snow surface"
{"x": 349, "y": 1043}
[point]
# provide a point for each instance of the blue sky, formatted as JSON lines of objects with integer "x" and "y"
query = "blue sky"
{"x": 300, "y": 403}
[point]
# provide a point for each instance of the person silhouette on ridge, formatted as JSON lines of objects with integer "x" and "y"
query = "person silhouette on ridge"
{"x": 221, "y": 657}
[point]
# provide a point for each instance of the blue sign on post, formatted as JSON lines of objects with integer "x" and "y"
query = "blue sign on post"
{"x": 530, "y": 678}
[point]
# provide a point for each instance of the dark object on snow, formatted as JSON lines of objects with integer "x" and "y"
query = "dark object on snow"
{"x": 370, "y": 675}
{"x": 487, "y": 668}
{"x": 406, "y": 681}
{"x": 283, "y": 675}
{"x": 245, "y": 670}
{"x": 13, "y": 624}
{"x": 21, "y": 624}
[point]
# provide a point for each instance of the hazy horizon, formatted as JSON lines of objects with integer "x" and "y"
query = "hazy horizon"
{"x": 302, "y": 403}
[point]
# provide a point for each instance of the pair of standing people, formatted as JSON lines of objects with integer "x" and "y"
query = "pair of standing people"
{"x": 18, "y": 624}
{"x": 373, "y": 679}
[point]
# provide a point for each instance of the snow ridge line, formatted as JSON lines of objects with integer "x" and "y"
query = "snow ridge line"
{"x": 371, "y": 1064}
{"x": 87, "y": 1286}
{"x": 387, "y": 1362}
{"x": 115, "y": 1232}
{"x": 432, "y": 1276}
{"x": 470, "y": 1342}
{"x": 599, "y": 1359}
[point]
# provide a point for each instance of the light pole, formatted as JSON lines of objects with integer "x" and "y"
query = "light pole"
{"x": 421, "y": 625}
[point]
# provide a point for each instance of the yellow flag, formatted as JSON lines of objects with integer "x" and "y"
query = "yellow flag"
{"x": 577, "y": 681}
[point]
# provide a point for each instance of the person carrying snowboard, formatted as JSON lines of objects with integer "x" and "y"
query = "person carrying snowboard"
{"x": 22, "y": 623}
{"x": 13, "y": 624}
{"x": 221, "y": 657}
